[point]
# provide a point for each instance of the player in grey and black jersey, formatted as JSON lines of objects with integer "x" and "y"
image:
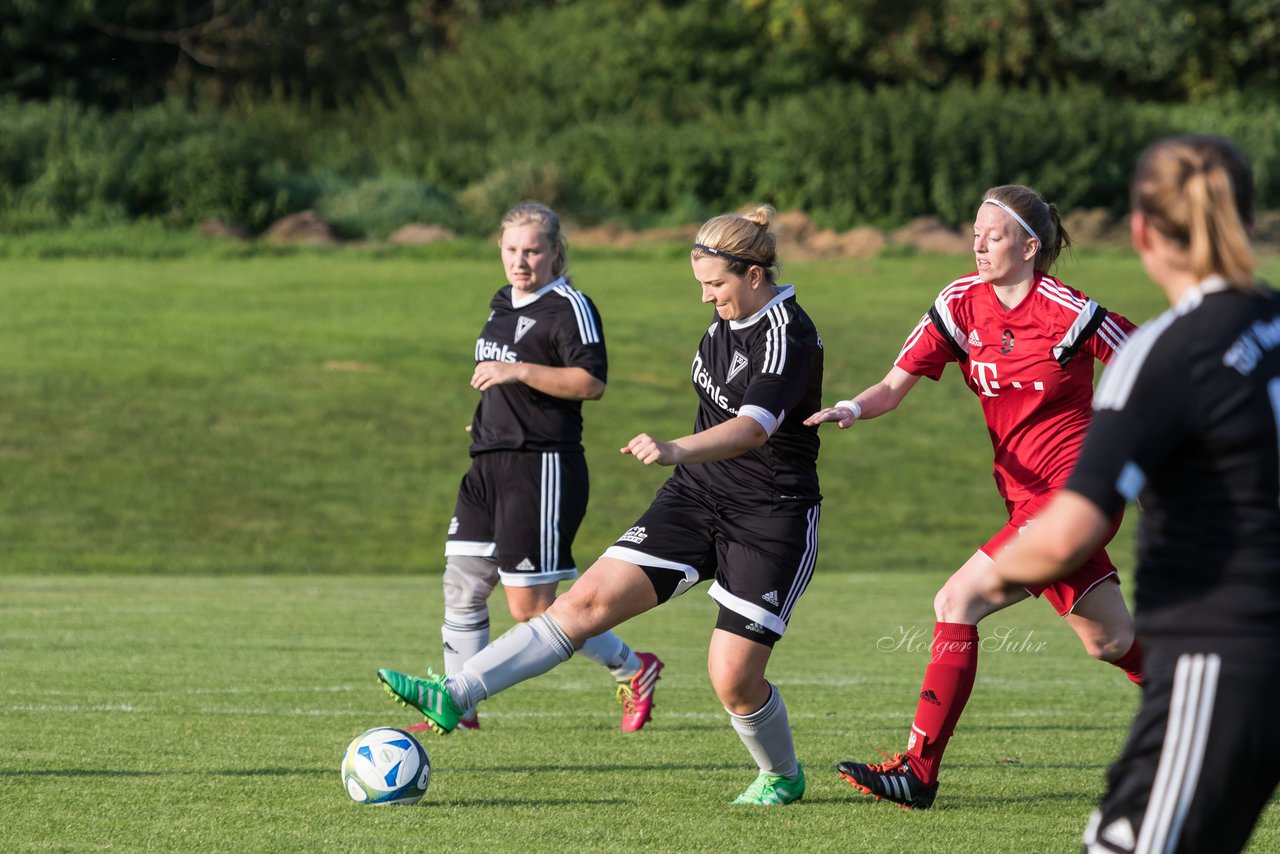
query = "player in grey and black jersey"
{"x": 741, "y": 511}
{"x": 1188, "y": 419}
{"x": 540, "y": 354}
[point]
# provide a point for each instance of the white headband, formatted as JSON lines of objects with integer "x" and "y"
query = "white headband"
{"x": 1022, "y": 222}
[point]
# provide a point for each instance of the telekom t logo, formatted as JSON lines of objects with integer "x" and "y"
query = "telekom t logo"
{"x": 983, "y": 375}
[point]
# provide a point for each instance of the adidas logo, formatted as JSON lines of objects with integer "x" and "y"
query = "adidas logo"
{"x": 771, "y": 597}
{"x": 526, "y": 565}
{"x": 523, "y": 325}
{"x": 634, "y": 535}
{"x": 755, "y": 627}
{"x": 974, "y": 340}
{"x": 930, "y": 697}
{"x": 453, "y": 526}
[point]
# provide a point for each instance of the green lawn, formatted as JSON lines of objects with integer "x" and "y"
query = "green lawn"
{"x": 211, "y": 714}
{"x": 305, "y": 414}
{"x": 225, "y": 486}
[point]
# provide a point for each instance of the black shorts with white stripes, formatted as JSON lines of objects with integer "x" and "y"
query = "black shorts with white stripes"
{"x": 760, "y": 563}
{"x": 1203, "y": 755}
{"x": 523, "y": 509}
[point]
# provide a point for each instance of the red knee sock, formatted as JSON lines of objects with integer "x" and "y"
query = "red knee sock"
{"x": 948, "y": 681}
{"x": 1131, "y": 663}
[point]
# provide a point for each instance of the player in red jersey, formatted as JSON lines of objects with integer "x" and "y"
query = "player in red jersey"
{"x": 1026, "y": 344}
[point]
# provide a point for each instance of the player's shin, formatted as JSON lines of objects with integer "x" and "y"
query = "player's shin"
{"x": 948, "y": 681}
{"x": 1131, "y": 662}
{"x": 468, "y": 581}
{"x": 609, "y": 651}
{"x": 463, "y": 635}
{"x": 766, "y": 733}
{"x": 527, "y": 650}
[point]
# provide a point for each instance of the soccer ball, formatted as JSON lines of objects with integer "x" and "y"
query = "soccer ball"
{"x": 386, "y": 766}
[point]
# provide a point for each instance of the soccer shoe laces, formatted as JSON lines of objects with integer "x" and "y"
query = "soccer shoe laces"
{"x": 626, "y": 696}
{"x": 892, "y": 763}
{"x": 759, "y": 788}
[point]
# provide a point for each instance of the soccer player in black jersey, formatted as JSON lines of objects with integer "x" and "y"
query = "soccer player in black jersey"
{"x": 540, "y": 354}
{"x": 740, "y": 510}
{"x": 1188, "y": 420}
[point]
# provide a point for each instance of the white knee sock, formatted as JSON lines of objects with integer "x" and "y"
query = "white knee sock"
{"x": 527, "y": 650}
{"x": 608, "y": 650}
{"x": 766, "y": 733}
{"x": 464, "y": 634}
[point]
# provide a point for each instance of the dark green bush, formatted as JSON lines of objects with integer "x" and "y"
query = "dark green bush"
{"x": 848, "y": 155}
{"x": 1253, "y": 125}
{"x": 67, "y": 162}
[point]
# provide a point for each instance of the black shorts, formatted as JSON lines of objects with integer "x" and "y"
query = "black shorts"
{"x": 760, "y": 562}
{"x": 523, "y": 509}
{"x": 1201, "y": 760}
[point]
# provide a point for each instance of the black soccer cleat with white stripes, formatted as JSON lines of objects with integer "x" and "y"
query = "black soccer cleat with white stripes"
{"x": 893, "y": 780}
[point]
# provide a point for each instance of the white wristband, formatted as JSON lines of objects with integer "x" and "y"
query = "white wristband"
{"x": 851, "y": 405}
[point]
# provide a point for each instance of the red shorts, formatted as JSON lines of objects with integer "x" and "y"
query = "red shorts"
{"x": 1064, "y": 594}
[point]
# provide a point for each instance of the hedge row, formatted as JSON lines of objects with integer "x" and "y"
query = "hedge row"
{"x": 847, "y": 155}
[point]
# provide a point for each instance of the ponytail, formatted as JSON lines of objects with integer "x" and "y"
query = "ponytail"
{"x": 1198, "y": 192}
{"x": 1217, "y": 242}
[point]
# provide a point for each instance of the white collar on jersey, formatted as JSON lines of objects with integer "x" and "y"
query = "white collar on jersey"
{"x": 1192, "y": 297}
{"x": 522, "y": 301}
{"x": 784, "y": 292}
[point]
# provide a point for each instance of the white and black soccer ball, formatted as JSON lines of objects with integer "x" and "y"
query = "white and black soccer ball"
{"x": 386, "y": 766}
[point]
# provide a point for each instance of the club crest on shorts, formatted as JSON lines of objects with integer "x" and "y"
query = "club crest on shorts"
{"x": 523, "y": 325}
{"x": 635, "y": 535}
{"x": 735, "y": 367}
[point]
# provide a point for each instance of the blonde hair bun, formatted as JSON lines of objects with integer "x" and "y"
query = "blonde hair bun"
{"x": 762, "y": 216}
{"x": 743, "y": 240}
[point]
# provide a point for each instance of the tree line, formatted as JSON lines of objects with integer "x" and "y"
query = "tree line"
{"x": 114, "y": 53}
{"x": 861, "y": 111}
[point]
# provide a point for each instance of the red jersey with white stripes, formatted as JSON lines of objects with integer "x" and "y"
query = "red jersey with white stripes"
{"x": 1031, "y": 366}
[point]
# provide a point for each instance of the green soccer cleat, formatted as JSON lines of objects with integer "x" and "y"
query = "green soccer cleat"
{"x": 770, "y": 790}
{"x": 428, "y": 696}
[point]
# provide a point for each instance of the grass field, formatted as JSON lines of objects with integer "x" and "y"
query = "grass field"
{"x": 225, "y": 485}
{"x": 305, "y": 414}
{"x": 202, "y": 714}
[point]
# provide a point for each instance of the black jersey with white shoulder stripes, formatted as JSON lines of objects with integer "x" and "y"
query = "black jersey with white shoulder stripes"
{"x": 558, "y": 327}
{"x": 1187, "y": 420}
{"x": 769, "y": 366}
